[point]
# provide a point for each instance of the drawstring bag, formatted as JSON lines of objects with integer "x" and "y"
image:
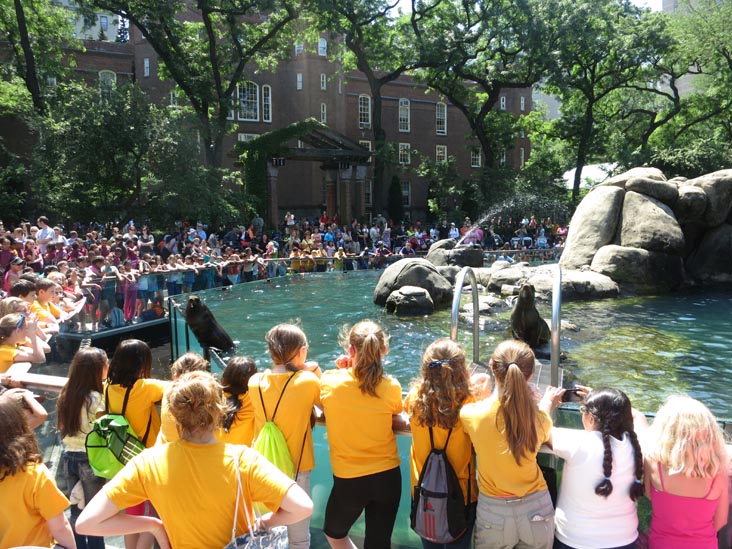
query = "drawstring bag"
{"x": 274, "y": 538}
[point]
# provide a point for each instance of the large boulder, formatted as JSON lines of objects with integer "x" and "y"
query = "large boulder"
{"x": 509, "y": 277}
{"x": 691, "y": 204}
{"x": 712, "y": 260}
{"x": 645, "y": 271}
{"x": 622, "y": 179}
{"x": 447, "y": 253}
{"x": 718, "y": 189}
{"x": 410, "y": 300}
{"x": 449, "y": 272}
{"x": 413, "y": 272}
{"x": 649, "y": 224}
{"x": 593, "y": 226}
{"x": 666, "y": 192}
{"x": 576, "y": 285}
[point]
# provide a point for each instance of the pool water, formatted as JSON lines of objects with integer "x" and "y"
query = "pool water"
{"x": 649, "y": 347}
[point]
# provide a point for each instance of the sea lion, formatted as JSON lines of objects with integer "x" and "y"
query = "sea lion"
{"x": 526, "y": 323}
{"x": 205, "y": 327}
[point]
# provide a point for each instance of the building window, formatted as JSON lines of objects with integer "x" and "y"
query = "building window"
{"x": 523, "y": 103}
{"x": 267, "y": 103}
{"x": 323, "y": 113}
{"x": 107, "y": 82}
{"x": 104, "y": 23}
{"x": 364, "y": 112}
{"x": 340, "y": 86}
{"x": 405, "y": 153}
{"x": 503, "y": 102}
{"x": 366, "y": 144}
{"x": 476, "y": 160}
{"x": 146, "y": 67}
{"x": 248, "y": 101}
{"x": 368, "y": 192}
{"x": 244, "y": 137}
{"x": 173, "y": 95}
{"x": 406, "y": 193}
{"x": 441, "y": 153}
{"x": 51, "y": 81}
{"x": 323, "y": 81}
{"x": 502, "y": 159}
{"x": 299, "y": 80}
{"x": 298, "y": 49}
{"x": 300, "y": 144}
{"x": 322, "y": 47}
{"x": 522, "y": 157}
{"x": 404, "y": 118}
{"x": 441, "y": 118}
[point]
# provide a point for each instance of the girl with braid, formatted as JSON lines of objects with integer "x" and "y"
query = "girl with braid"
{"x": 603, "y": 475}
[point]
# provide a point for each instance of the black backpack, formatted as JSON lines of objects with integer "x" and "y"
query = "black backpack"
{"x": 439, "y": 513}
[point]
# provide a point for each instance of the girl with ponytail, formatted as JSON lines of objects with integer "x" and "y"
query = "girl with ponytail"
{"x": 507, "y": 430}
{"x": 359, "y": 402}
{"x": 602, "y": 476}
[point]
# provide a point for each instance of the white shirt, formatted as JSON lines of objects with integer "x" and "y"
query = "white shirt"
{"x": 583, "y": 519}
{"x": 46, "y": 232}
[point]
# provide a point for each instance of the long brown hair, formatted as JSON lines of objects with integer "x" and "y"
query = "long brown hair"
{"x": 284, "y": 342}
{"x": 86, "y": 375}
{"x": 513, "y": 364}
{"x": 132, "y": 360}
{"x": 444, "y": 386}
{"x": 18, "y": 444}
{"x": 371, "y": 344}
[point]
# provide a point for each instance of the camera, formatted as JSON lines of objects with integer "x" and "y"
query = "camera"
{"x": 571, "y": 395}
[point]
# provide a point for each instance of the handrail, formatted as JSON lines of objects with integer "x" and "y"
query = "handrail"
{"x": 556, "y": 326}
{"x": 459, "y": 282}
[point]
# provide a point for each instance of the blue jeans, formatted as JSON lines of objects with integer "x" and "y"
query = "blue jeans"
{"x": 76, "y": 468}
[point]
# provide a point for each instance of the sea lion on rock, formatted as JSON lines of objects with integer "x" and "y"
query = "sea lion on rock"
{"x": 205, "y": 327}
{"x": 526, "y": 323}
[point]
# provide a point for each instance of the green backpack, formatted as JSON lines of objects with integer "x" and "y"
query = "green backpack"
{"x": 270, "y": 441}
{"x": 112, "y": 442}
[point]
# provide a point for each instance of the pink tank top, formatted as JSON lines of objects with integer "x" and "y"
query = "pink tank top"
{"x": 681, "y": 521}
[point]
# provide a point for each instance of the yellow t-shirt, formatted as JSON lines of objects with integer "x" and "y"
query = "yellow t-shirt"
{"x": 46, "y": 313}
{"x": 359, "y": 425}
{"x": 193, "y": 488}
{"x": 168, "y": 427}
{"x": 459, "y": 449}
{"x": 498, "y": 473}
{"x": 7, "y": 356}
{"x": 27, "y": 500}
{"x": 293, "y": 415}
{"x": 242, "y": 428}
{"x": 141, "y": 405}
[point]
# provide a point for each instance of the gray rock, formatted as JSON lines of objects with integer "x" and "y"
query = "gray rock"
{"x": 646, "y": 272}
{"x": 712, "y": 260}
{"x": 665, "y": 191}
{"x": 718, "y": 188}
{"x": 483, "y": 275}
{"x": 410, "y": 300}
{"x": 414, "y": 272}
{"x": 649, "y": 224}
{"x": 509, "y": 289}
{"x": 621, "y": 180}
{"x": 510, "y": 276}
{"x": 449, "y": 272}
{"x": 485, "y": 306}
{"x": 500, "y": 265}
{"x": 593, "y": 226}
{"x": 441, "y": 254}
{"x": 576, "y": 285}
{"x": 691, "y": 204}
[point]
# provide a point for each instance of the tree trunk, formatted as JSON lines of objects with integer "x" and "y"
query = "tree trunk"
{"x": 583, "y": 150}
{"x": 379, "y": 159}
{"x": 31, "y": 73}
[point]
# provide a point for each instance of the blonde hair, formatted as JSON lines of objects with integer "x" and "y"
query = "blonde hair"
{"x": 444, "y": 386}
{"x": 11, "y": 305}
{"x": 188, "y": 362}
{"x": 196, "y": 402}
{"x": 513, "y": 364}
{"x": 686, "y": 438}
{"x": 284, "y": 342}
{"x": 10, "y": 323}
{"x": 371, "y": 344}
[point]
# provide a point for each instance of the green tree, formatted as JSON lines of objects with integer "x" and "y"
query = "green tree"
{"x": 605, "y": 46}
{"x": 36, "y": 33}
{"x": 208, "y": 47}
{"x": 381, "y": 45}
{"x": 501, "y": 45}
{"x": 396, "y": 203}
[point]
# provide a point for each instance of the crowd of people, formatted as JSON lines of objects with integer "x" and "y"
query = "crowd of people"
{"x": 182, "y": 490}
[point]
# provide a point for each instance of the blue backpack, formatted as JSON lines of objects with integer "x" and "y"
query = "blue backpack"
{"x": 439, "y": 513}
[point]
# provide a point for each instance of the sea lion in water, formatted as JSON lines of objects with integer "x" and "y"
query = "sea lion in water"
{"x": 526, "y": 323}
{"x": 205, "y": 327}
